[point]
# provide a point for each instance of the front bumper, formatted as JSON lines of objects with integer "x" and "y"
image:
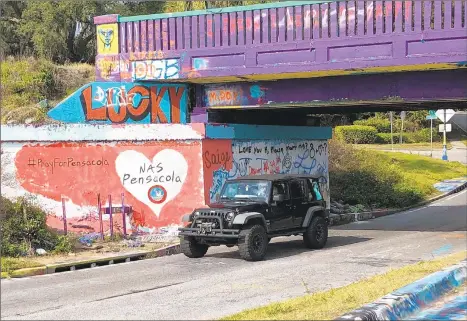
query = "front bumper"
{"x": 204, "y": 231}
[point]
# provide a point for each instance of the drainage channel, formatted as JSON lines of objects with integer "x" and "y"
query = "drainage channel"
{"x": 65, "y": 267}
{"x": 88, "y": 265}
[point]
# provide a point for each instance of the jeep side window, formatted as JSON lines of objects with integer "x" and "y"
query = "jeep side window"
{"x": 311, "y": 193}
{"x": 280, "y": 188}
{"x": 297, "y": 189}
{"x": 316, "y": 189}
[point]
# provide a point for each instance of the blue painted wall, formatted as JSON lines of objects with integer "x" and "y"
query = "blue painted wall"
{"x": 259, "y": 132}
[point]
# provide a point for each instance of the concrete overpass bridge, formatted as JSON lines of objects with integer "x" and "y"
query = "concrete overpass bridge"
{"x": 275, "y": 63}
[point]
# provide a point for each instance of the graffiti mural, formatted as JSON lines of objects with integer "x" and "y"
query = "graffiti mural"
{"x": 159, "y": 180}
{"x": 162, "y": 69}
{"x": 107, "y": 39}
{"x": 116, "y": 103}
{"x": 234, "y": 95}
{"x": 265, "y": 157}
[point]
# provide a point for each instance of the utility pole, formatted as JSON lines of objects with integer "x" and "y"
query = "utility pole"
{"x": 431, "y": 137}
{"x": 402, "y": 125}
{"x": 445, "y": 150}
{"x": 392, "y": 140}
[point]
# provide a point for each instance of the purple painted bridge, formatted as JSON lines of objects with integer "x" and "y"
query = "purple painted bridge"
{"x": 296, "y": 54}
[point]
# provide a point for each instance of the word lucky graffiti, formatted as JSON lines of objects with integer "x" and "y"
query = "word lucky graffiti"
{"x": 117, "y": 105}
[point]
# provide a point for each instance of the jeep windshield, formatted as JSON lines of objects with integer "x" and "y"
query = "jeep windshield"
{"x": 247, "y": 190}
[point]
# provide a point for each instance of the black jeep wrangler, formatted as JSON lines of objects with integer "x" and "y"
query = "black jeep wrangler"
{"x": 253, "y": 209}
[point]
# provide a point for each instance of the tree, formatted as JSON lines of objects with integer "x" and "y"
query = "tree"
{"x": 11, "y": 41}
{"x": 64, "y": 30}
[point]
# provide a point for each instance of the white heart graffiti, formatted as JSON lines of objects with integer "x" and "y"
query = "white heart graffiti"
{"x": 153, "y": 183}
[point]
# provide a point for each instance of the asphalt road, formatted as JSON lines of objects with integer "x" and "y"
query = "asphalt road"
{"x": 219, "y": 284}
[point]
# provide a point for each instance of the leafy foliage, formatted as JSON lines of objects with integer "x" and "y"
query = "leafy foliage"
{"x": 382, "y": 125}
{"x": 360, "y": 176}
{"x": 356, "y": 134}
{"x": 24, "y": 228}
{"x": 64, "y": 31}
{"x": 25, "y": 82}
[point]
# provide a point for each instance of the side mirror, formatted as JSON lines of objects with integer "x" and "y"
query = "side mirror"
{"x": 278, "y": 198}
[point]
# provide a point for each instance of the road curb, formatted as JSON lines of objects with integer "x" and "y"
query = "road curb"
{"x": 84, "y": 264}
{"x": 410, "y": 299}
{"x": 342, "y": 219}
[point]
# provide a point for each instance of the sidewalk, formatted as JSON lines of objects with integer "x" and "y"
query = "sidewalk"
{"x": 458, "y": 153}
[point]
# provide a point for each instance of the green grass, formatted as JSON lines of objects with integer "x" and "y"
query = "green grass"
{"x": 331, "y": 304}
{"x": 27, "y": 81}
{"x": 9, "y": 264}
{"x": 421, "y": 172}
{"x": 379, "y": 179}
{"x": 414, "y": 146}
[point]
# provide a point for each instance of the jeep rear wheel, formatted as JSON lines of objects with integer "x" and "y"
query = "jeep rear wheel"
{"x": 191, "y": 248}
{"x": 253, "y": 243}
{"x": 316, "y": 235}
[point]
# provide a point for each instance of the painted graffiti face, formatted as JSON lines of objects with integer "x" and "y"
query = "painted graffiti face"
{"x": 106, "y": 35}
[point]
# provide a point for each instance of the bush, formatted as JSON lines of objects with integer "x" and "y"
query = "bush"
{"x": 356, "y": 134}
{"x": 358, "y": 176}
{"x": 421, "y": 136}
{"x": 25, "y": 82}
{"x": 24, "y": 228}
{"x": 382, "y": 125}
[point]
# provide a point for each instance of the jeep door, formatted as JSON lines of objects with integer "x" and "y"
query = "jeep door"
{"x": 299, "y": 200}
{"x": 281, "y": 217}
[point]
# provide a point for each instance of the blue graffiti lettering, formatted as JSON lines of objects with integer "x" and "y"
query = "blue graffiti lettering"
{"x": 300, "y": 162}
{"x": 218, "y": 179}
{"x": 240, "y": 167}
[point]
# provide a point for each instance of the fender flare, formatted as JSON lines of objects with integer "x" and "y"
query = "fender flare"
{"x": 243, "y": 218}
{"x": 310, "y": 213}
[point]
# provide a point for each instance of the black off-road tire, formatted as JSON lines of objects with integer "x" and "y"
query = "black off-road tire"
{"x": 316, "y": 235}
{"x": 253, "y": 243}
{"x": 191, "y": 248}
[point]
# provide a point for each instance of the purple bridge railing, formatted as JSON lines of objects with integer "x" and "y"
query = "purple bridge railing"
{"x": 294, "y": 39}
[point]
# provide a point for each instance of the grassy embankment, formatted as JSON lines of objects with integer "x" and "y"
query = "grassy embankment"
{"x": 331, "y": 304}
{"x": 26, "y": 82}
{"x": 385, "y": 179}
{"x": 412, "y": 146}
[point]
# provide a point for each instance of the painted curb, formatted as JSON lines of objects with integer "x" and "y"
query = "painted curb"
{"x": 84, "y": 264}
{"x": 410, "y": 299}
{"x": 78, "y": 265}
{"x": 342, "y": 219}
{"x": 21, "y": 273}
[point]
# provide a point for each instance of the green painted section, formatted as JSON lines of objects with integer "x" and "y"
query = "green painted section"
{"x": 21, "y": 273}
{"x": 222, "y": 10}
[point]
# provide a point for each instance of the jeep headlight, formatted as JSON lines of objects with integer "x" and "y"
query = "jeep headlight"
{"x": 196, "y": 213}
{"x": 229, "y": 217}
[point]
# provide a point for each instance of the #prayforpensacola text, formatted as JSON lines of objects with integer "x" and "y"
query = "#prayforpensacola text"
{"x": 68, "y": 162}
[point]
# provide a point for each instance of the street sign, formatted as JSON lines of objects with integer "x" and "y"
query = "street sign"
{"x": 449, "y": 114}
{"x": 431, "y": 115}
{"x": 448, "y": 128}
{"x": 403, "y": 115}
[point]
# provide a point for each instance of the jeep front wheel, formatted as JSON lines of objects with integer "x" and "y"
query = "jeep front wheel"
{"x": 253, "y": 243}
{"x": 316, "y": 235}
{"x": 191, "y": 248}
